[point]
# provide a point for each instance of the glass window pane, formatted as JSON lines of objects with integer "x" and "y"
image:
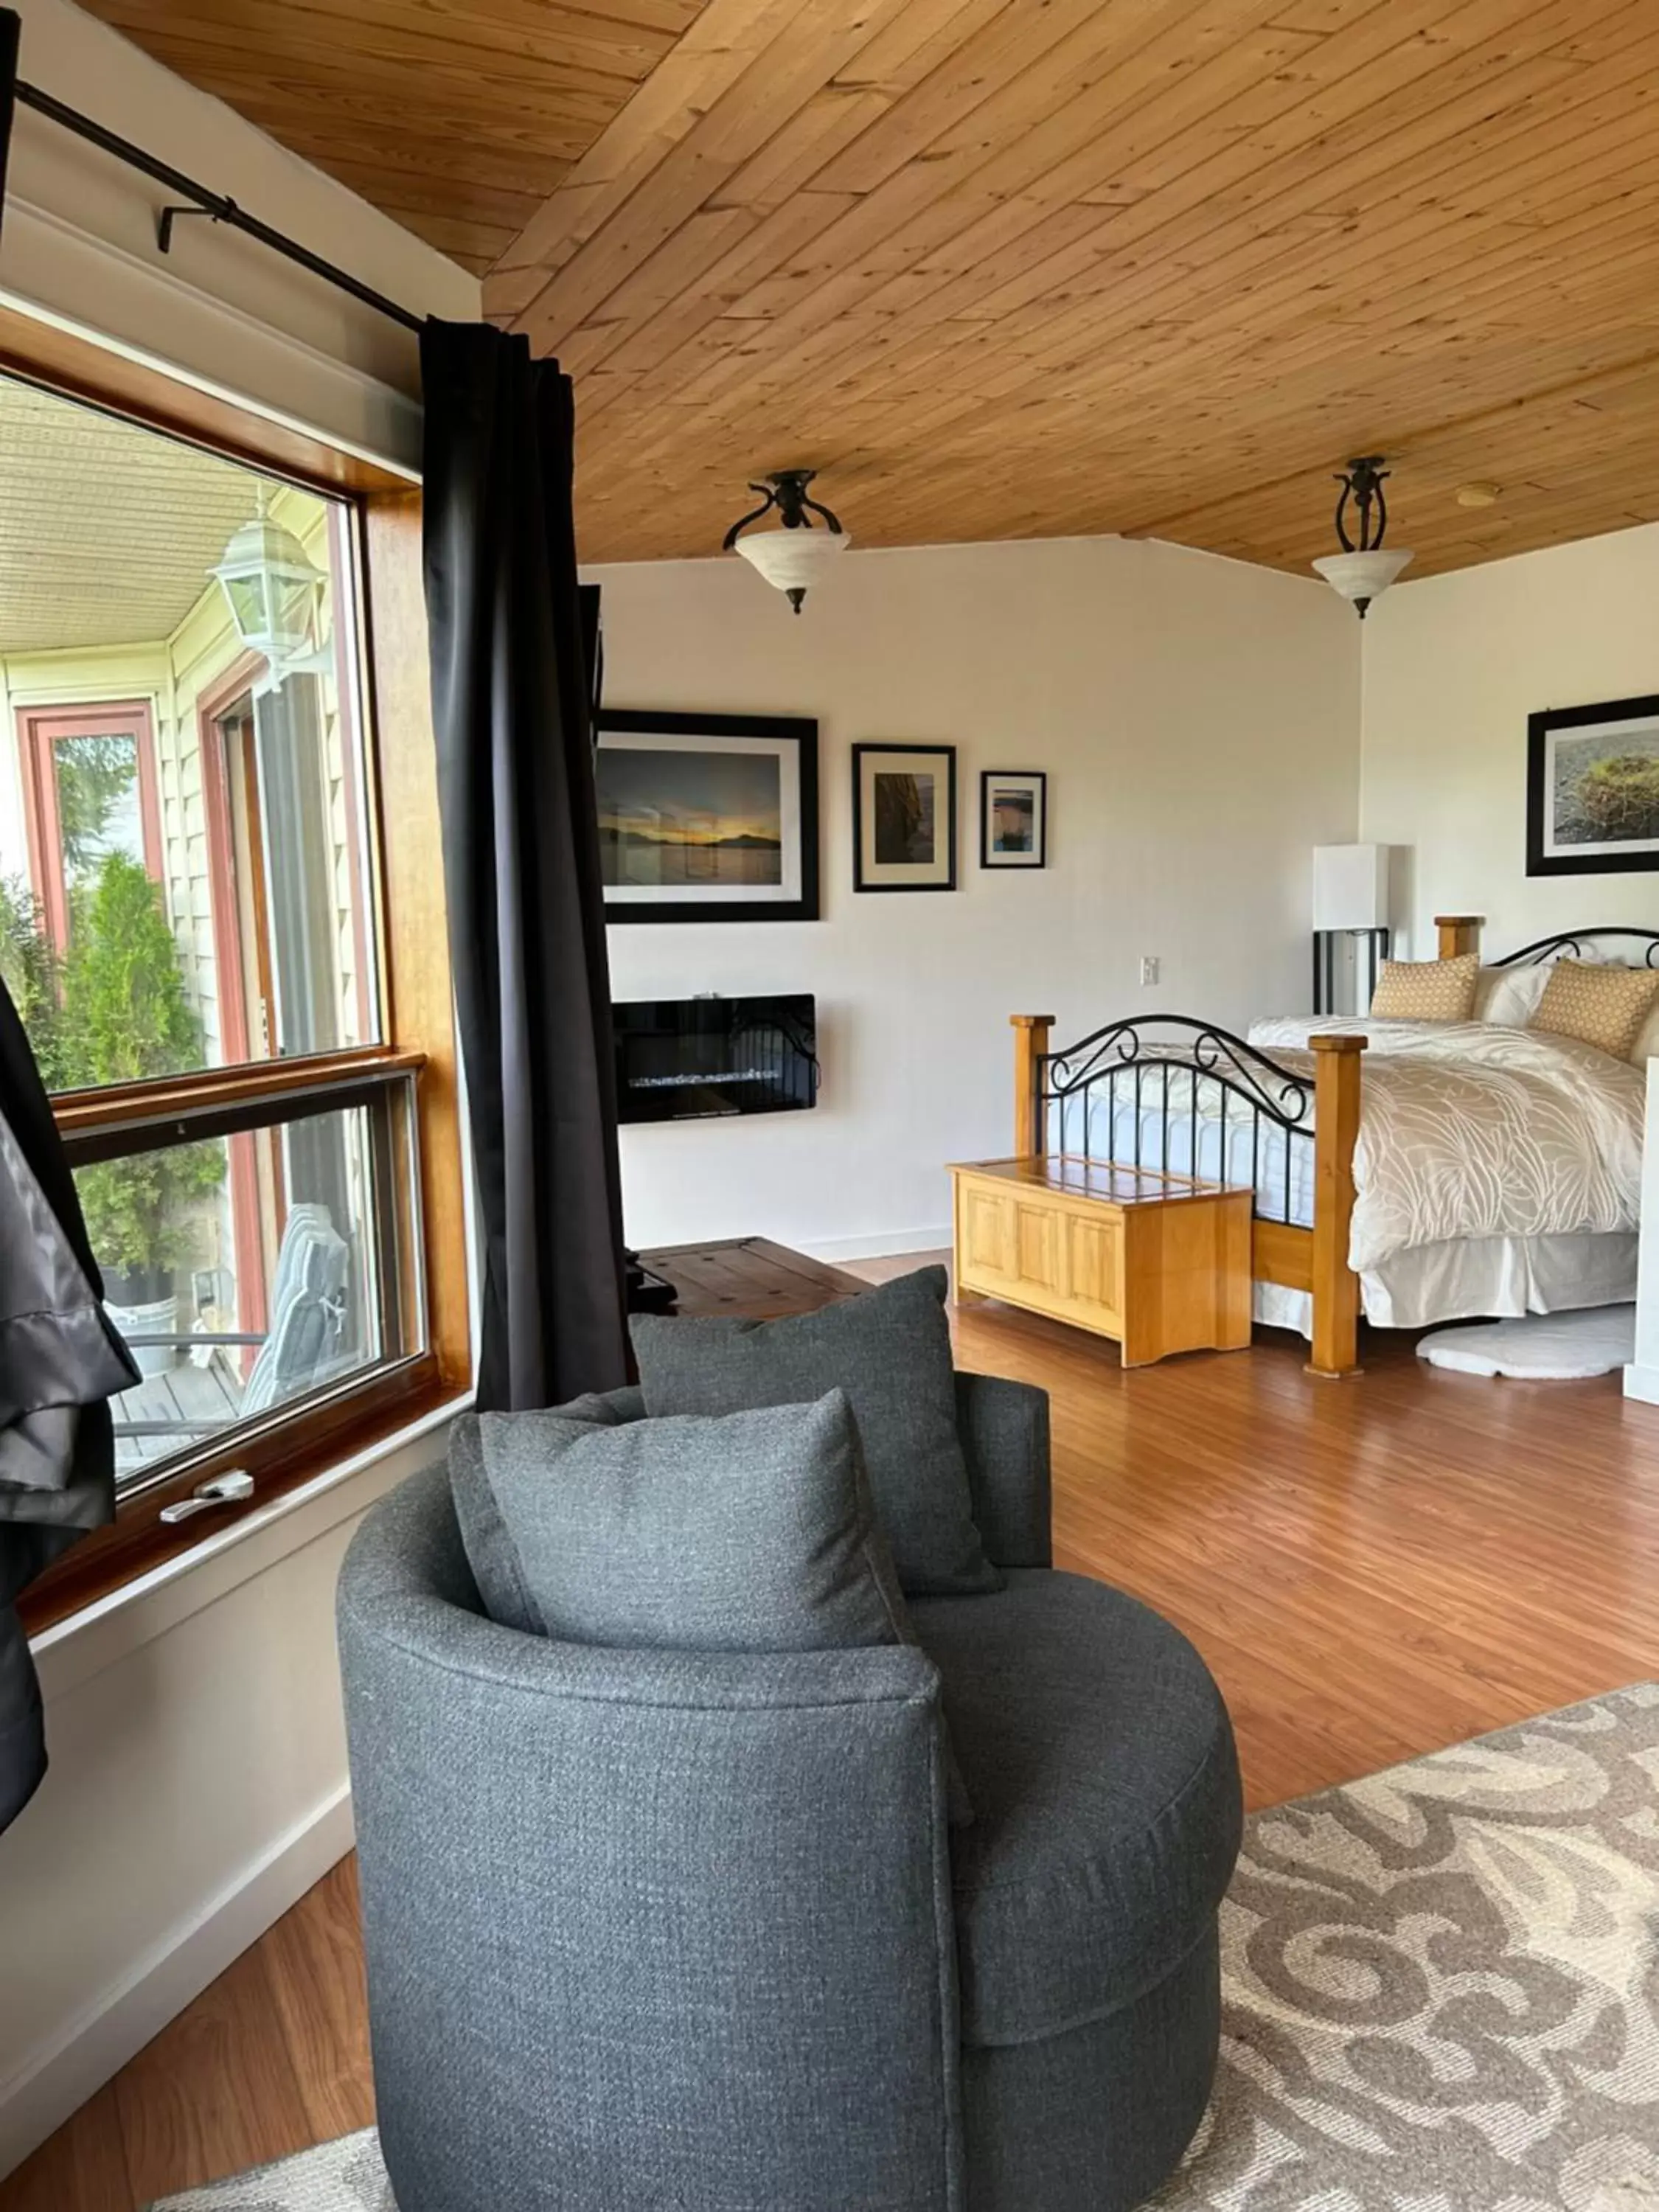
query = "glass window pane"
{"x": 246, "y": 1273}
{"x": 182, "y": 766}
{"x": 98, "y": 811}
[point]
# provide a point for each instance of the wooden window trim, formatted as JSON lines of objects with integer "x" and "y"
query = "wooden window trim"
{"x": 281, "y": 1455}
{"x": 76, "y": 367}
{"x": 417, "y": 987}
{"x": 207, "y": 1089}
{"x": 346, "y": 555}
{"x": 415, "y": 990}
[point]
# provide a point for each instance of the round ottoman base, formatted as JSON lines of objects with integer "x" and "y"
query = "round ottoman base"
{"x": 1093, "y": 2119}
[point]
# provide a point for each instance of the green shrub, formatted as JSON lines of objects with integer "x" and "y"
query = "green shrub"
{"x": 29, "y": 967}
{"x": 125, "y": 1014}
{"x": 92, "y": 775}
{"x": 1620, "y": 797}
{"x": 125, "y": 1018}
{"x": 114, "y": 1010}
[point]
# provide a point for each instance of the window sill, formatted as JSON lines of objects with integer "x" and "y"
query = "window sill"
{"x": 78, "y": 1644}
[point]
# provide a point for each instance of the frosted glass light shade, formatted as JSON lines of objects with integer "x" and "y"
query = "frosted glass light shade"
{"x": 794, "y": 560}
{"x": 1361, "y": 577}
{"x": 272, "y": 588}
{"x": 1351, "y": 886}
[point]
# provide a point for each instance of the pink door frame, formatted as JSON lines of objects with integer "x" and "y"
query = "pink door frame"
{"x": 39, "y": 730}
{"x": 253, "y": 1310}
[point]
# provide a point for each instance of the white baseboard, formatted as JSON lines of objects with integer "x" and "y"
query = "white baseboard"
{"x": 58, "y": 2080}
{"x": 1642, "y": 1383}
{"x": 891, "y": 1246}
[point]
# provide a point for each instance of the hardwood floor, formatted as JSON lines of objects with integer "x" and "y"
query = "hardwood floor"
{"x": 1373, "y": 1569}
{"x": 271, "y": 2056}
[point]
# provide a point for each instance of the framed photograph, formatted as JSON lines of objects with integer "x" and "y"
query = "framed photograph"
{"x": 904, "y": 818}
{"x": 1593, "y": 789}
{"x": 707, "y": 817}
{"x": 1013, "y": 818}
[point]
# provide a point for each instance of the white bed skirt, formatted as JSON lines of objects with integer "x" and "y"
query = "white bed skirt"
{"x": 1464, "y": 1279}
{"x": 1477, "y": 1278}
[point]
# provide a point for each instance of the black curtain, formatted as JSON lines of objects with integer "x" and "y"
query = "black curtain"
{"x": 59, "y": 1355}
{"x": 11, "y": 25}
{"x": 522, "y": 864}
{"x": 60, "y": 1360}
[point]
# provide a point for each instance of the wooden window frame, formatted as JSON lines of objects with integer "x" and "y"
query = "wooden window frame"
{"x": 406, "y": 893}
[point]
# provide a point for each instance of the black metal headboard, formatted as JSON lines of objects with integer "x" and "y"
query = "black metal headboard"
{"x": 1148, "y": 1054}
{"x": 1580, "y": 941}
{"x": 1176, "y": 1041}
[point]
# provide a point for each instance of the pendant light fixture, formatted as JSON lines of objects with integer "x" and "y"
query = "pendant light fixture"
{"x": 795, "y": 557}
{"x": 1362, "y": 573}
{"x": 274, "y": 592}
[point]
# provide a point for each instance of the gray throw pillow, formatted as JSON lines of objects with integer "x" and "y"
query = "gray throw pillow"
{"x": 890, "y": 1350}
{"x": 489, "y": 1549}
{"x": 754, "y": 1532}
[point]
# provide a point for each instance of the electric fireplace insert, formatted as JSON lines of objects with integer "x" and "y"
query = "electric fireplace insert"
{"x": 697, "y": 1060}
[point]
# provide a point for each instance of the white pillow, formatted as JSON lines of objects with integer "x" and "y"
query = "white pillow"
{"x": 1646, "y": 1047}
{"x": 1509, "y": 995}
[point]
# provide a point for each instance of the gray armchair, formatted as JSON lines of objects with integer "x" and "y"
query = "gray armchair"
{"x": 651, "y": 1930}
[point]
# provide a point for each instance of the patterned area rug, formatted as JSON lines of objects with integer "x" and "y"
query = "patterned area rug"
{"x": 1442, "y": 1994}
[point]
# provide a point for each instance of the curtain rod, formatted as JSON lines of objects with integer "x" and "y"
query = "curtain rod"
{"x": 214, "y": 206}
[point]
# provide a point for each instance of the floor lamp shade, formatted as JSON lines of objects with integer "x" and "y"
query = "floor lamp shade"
{"x": 1351, "y": 887}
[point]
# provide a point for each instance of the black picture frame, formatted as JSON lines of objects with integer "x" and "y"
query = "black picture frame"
{"x": 1013, "y": 864}
{"x": 771, "y": 732}
{"x": 863, "y": 881}
{"x": 1544, "y": 856}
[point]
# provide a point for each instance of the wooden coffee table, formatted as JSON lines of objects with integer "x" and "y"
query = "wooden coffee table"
{"x": 749, "y": 1276}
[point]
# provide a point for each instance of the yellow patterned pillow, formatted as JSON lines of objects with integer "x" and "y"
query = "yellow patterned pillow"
{"x": 1427, "y": 990}
{"x": 1603, "y": 1006}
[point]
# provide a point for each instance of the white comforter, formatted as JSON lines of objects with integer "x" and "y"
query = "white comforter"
{"x": 1470, "y": 1129}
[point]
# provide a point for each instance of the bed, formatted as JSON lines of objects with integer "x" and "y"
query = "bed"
{"x": 1411, "y": 1173}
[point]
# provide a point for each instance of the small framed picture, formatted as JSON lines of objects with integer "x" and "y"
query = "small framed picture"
{"x": 1013, "y": 818}
{"x": 904, "y": 818}
{"x": 1593, "y": 789}
{"x": 707, "y": 817}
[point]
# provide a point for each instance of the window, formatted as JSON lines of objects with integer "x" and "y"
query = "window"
{"x": 89, "y": 781}
{"x": 311, "y": 1302}
{"x": 206, "y": 937}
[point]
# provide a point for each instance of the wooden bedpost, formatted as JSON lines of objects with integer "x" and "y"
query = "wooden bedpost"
{"x": 1459, "y": 934}
{"x": 1031, "y": 1043}
{"x": 1335, "y": 1286}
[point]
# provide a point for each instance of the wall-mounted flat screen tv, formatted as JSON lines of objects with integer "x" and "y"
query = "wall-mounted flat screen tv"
{"x": 697, "y": 1060}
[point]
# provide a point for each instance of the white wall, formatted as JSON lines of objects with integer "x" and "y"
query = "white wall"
{"x": 198, "y": 1787}
{"x": 1198, "y": 719}
{"x": 79, "y": 243}
{"x": 1453, "y": 666}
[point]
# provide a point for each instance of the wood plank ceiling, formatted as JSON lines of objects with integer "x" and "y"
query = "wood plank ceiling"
{"x": 1013, "y": 268}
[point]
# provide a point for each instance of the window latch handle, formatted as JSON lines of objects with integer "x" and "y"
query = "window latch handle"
{"x": 227, "y": 1489}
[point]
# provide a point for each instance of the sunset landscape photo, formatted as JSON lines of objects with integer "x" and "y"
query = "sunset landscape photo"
{"x": 680, "y": 818}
